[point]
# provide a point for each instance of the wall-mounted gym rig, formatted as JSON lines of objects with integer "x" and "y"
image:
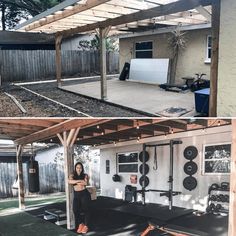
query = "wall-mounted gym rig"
{"x": 144, "y": 181}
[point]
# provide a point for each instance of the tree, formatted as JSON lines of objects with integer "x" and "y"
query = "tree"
{"x": 177, "y": 43}
{"x": 87, "y": 45}
{"x": 13, "y": 11}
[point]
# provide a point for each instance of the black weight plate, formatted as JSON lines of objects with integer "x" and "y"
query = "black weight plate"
{"x": 146, "y": 169}
{"x": 145, "y": 179}
{"x": 146, "y": 156}
{"x": 190, "y": 152}
{"x": 190, "y": 168}
{"x": 190, "y": 183}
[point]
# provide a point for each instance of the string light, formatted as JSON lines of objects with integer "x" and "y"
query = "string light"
{"x": 138, "y": 139}
{"x": 137, "y": 125}
{"x": 218, "y": 123}
{"x": 172, "y": 131}
{"x": 98, "y": 127}
{"x": 114, "y": 143}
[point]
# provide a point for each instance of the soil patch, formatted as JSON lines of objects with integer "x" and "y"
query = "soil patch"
{"x": 37, "y": 106}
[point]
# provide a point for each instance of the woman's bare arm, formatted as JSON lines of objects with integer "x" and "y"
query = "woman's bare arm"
{"x": 80, "y": 182}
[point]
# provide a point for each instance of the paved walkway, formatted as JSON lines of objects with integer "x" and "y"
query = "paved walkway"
{"x": 139, "y": 96}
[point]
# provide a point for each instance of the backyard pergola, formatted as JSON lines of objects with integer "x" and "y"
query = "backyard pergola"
{"x": 109, "y": 17}
{"x": 103, "y": 132}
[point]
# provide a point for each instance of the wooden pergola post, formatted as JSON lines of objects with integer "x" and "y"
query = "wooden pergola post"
{"x": 58, "y": 59}
{"x": 232, "y": 204}
{"x": 68, "y": 139}
{"x": 103, "y": 32}
{"x": 214, "y": 57}
{"x": 21, "y": 192}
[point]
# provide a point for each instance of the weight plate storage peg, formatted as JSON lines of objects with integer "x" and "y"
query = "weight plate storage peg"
{"x": 144, "y": 179}
{"x": 190, "y": 152}
{"x": 190, "y": 183}
{"x": 190, "y": 168}
{"x": 146, "y": 156}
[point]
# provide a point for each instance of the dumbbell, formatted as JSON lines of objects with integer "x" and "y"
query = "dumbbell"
{"x": 218, "y": 207}
{"x": 218, "y": 198}
{"x": 224, "y": 185}
{"x": 226, "y": 198}
{"x": 213, "y": 198}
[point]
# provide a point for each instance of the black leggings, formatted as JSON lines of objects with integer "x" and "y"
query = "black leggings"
{"x": 81, "y": 204}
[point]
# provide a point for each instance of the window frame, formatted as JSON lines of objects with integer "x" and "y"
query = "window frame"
{"x": 208, "y": 58}
{"x": 204, "y": 160}
{"x": 146, "y": 50}
{"x": 126, "y": 163}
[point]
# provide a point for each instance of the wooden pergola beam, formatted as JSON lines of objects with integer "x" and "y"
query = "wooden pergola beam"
{"x": 232, "y": 204}
{"x": 54, "y": 130}
{"x": 215, "y": 57}
{"x": 67, "y": 140}
{"x": 66, "y": 13}
{"x": 103, "y": 32}
{"x": 21, "y": 192}
{"x": 171, "y": 8}
{"x": 58, "y": 59}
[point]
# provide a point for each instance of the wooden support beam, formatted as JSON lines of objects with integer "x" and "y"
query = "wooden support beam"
{"x": 54, "y": 130}
{"x": 21, "y": 191}
{"x": 58, "y": 59}
{"x": 204, "y": 12}
{"x": 171, "y": 8}
{"x": 232, "y": 204}
{"x": 66, "y": 13}
{"x": 214, "y": 57}
{"x": 68, "y": 139}
{"x": 103, "y": 32}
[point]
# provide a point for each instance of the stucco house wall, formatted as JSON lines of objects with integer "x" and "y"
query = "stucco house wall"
{"x": 226, "y": 99}
{"x": 191, "y": 60}
{"x": 196, "y": 198}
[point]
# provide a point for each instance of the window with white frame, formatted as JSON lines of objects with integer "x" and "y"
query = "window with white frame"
{"x": 216, "y": 159}
{"x": 209, "y": 49}
{"x": 127, "y": 162}
{"x": 144, "y": 49}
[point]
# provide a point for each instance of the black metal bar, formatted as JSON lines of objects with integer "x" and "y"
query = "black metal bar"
{"x": 171, "y": 174}
{"x": 144, "y": 174}
{"x": 165, "y": 144}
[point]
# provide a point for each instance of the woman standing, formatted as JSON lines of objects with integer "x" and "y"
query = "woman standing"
{"x": 82, "y": 198}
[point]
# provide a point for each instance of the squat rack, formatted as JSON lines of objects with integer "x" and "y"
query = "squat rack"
{"x": 170, "y": 193}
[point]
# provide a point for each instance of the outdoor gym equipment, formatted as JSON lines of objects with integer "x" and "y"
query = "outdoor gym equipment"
{"x": 168, "y": 193}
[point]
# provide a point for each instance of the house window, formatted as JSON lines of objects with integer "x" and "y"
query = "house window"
{"x": 127, "y": 162}
{"x": 143, "y": 49}
{"x": 209, "y": 49}
{"x": 216, "y": 159}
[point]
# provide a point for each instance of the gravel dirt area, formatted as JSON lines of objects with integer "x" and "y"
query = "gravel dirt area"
{"x": 37, "y": 106}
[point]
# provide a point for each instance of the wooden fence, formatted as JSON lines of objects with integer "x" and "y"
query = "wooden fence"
{"x": 21, "y": 65}
{"x": 51, "y": 178}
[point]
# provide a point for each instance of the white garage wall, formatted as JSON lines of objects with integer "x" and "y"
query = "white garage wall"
{"x": 158, "y": 179}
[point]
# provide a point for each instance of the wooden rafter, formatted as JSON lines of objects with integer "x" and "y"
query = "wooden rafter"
{"x": 69, "y": 12}
{"x": 54, "y": 130}
{"x": 171, "y": 8}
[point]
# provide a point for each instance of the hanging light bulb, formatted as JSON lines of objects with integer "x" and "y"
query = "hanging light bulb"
{"x": 218, "y": 123}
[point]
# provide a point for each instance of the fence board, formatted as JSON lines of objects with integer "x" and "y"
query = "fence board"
{"x": 51, "y": 178}
{"x": 21, "y": 65}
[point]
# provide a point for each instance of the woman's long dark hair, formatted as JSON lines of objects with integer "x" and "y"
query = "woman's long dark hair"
{"x": 82, "y": 174}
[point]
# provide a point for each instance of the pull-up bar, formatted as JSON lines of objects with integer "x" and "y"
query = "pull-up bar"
{"x": 169, "y": 193}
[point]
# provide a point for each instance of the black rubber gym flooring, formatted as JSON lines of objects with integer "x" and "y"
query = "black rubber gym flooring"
{"x": 115, "y": 217}
{"x": 156, "y": 211}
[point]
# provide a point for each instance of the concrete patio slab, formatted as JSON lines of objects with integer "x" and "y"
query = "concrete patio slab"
{"x": 147, "y": 98}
